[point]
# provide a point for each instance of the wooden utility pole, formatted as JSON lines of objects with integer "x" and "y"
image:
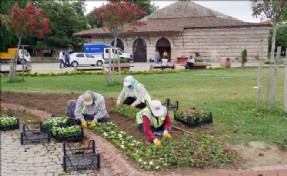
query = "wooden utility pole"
{"x": 259, "y": 77}
{"x": 274, "y": 86}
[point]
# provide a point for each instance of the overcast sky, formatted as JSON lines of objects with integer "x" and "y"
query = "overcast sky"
{"x": 237, "y": 9}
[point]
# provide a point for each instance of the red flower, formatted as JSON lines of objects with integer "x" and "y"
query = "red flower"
{"x": 282, "y": 4}
{"x": 196, "y": 160}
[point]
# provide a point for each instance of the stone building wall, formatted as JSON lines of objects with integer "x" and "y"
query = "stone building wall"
{"x": 215, "y": 44}
{"x": 212, "y": 44}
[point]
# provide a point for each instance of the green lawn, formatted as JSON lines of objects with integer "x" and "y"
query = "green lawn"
{"x": 229, "y": 94}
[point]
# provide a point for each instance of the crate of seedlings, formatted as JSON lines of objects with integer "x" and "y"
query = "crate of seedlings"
{"x": 77, "y": 158}
{"x": 71, "y": 133}
{"x": 9, "y": 123}
{"x": 29, "y": 136}
{"x": 193, "y": 117}
{"x": 62, "y": 121}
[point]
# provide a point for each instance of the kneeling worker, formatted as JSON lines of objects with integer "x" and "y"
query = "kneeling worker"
{"x": 89, "y": 106}
{"x": 154, "y": 120}
{"x": 134, "y": 93}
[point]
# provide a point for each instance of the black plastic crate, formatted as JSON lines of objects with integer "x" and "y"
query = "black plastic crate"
{"x": 191, "y": 121}
{"x": 11, "y": 127}
{"x": 34, "y": 136}
{"x": 77, "y": 137}
{"x": 170, "y": 106}
{"x": 76, "y": 158}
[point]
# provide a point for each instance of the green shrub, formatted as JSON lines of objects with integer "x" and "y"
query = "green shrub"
{"x": 243, "y": 57}
{"x": 280, "y": 61}
{"x": 198, "y": 59}
{"x": 44, "y": 60}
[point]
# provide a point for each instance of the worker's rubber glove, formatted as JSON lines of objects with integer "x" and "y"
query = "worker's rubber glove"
{"x": 166, "y": 134}
{"x": 157, "y": 142}
{"x": 133, "y": 105}
{"x": 93, "y": 123}
{"x": 84, "y": 124}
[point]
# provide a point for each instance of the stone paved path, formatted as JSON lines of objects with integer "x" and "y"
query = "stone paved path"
{"x": 33, "y": 159}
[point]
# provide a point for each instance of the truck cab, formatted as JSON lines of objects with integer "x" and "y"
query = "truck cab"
{"x": 23, "y": 56}
{"x": 117, "y": 52}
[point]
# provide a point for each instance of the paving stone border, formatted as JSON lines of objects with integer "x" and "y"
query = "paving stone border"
{"x": 120, "y": 166}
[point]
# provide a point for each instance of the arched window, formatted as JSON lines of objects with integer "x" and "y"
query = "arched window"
{"x": 120, "y": 44}
{"x": 163, "y": 45}
{"x": 139, "y": 50}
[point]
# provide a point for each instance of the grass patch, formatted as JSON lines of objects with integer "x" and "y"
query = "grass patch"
{"x": 228, "y": 93}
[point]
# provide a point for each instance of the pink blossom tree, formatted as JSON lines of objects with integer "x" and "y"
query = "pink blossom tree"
{"x": 119, "y": 17}
{"x": 24, "y": 22}
{"x": 275, "y": 11}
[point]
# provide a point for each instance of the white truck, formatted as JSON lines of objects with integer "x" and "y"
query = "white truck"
{"x": 101, "y": 50}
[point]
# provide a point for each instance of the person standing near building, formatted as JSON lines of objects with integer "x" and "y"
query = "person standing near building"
{"x": 165, "y": 54}
{"x": 67, "y": 59}
{"x": 62, "y": 58}
{"x": 157, "y": 57}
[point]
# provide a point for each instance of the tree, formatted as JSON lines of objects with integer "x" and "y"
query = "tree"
{"x": 243, "y": 57}
{"x": 66, "y": 18}
{"x": 92, "y": 20}
{"x": 275, "y": 10}
{"x": 8, "y": 38}
{"x": 144, "y": 5}
{"x": 119, "y": 17}
{"x": 24, "y": 22}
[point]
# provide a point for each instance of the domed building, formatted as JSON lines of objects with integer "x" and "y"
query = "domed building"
{"x": 185, "y": 27}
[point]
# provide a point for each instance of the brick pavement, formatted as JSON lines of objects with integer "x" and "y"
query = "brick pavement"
{"x": 32, "y": 160}
{"x": 118, "y": 165}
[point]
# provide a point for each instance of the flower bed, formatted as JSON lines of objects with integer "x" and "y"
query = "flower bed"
{"x": 127, "y": 111}
{"x": 8, "y": 123}
{"x": 35, "y": 74}
{"x": 195, "y": 150}
{"x": 193, "y": 117}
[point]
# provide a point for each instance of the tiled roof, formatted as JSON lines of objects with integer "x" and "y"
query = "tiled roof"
{"x": 179, "y": 24}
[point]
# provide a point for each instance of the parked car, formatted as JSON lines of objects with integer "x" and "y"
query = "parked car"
{"x": 85, "y": 59}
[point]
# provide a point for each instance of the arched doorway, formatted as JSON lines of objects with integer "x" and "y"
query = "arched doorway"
{"x": 139, "y": 50}
{"x": 120, "y": 44}
{"x": 163, "y": 45}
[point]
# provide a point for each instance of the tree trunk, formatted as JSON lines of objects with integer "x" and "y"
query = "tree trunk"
{"x": 109, "y": 76}
{"x": 285, "y": 86}
{"x": 118, "y": 58}
{"x": 274, "y": 85}
{"x": 13, "y": 65}
{"x": 259, "y": 77}
{"x": 270, "y": 75}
